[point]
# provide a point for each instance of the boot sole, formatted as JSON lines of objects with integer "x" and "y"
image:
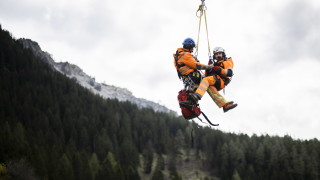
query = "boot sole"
{"x": 232, "y": 107}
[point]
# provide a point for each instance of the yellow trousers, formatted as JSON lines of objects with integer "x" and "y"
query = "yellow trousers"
{"x": 207, "y": 85}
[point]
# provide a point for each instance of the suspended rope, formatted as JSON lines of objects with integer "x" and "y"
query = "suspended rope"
{"x": 202, "y": 12}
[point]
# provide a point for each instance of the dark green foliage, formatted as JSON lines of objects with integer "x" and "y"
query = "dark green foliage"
{"x": 148, "y": 158}
{"x": 172, "y": 167}
{"x": 20, "y": 170}
{"x": 158, "y": 175}
{"x": 62, "y": 129}
{"x": 52, "y": 128}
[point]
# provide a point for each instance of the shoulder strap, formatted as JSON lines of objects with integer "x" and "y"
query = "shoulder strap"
{"x": 176, "y": 58}
{"x": 177, "y": 64}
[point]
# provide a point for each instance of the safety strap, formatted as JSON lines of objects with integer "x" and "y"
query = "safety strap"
{"x": 202, "y": 9}
{"x": 207, "y": 119}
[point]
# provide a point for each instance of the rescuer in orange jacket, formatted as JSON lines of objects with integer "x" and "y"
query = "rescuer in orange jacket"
{"x": 186, "y": 64}
{"x": 218, "y": 78}
{"x": 217, "y": 74}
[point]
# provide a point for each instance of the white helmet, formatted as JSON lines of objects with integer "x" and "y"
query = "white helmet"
{"x": 218, "y": 49}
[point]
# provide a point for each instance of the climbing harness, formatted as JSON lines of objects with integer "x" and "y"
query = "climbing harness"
{"x": 202, "y": 12}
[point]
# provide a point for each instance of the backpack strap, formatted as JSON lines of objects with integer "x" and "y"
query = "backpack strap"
{"x": 176, "y": 58}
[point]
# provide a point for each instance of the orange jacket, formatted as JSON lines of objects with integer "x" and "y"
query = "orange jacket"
{"x": 185, "y": 62}
{"x": 225, "y": 74}
{"x": 227, "y": 67}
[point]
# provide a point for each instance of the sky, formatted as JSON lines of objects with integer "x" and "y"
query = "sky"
{"x": 275, "y": 46}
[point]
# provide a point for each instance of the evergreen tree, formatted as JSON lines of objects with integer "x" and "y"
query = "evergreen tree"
{"x": 260, "y": 161}
{"x": 64, "y": 169}
{"x": 94, "y": 165}
{"x": 81, "y": 166}
{"x": 21, "y": 170}
{"x": 21, "y": 144}
{"x": 148, "y": 158}
{"x": 110, "y": 169}
{"x": 235, "y": 175}
{"x": 174, "y": 175}
{"x": 4, "y": 175}
{"x": 297, "y": 164}
{"x": 158, "y": 174}
{"x": 6, "y": 139}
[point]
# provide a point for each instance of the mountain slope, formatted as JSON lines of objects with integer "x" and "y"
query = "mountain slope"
{"x": 53, "y": 128}
{"x": 106, "y": 91}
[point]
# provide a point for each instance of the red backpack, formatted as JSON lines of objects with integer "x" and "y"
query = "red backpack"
{"x": 190, "y": 112}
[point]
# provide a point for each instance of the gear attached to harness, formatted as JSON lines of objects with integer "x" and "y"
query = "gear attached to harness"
{"x": 190, "y": 111}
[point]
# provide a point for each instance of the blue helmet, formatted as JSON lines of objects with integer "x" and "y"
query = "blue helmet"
{"x": 188, "y": 43}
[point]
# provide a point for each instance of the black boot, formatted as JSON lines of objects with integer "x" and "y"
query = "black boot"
{"x": 229, "y": 106}
{"x": 192, "y": 100}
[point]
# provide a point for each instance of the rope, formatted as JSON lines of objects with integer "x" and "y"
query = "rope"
{"x": 202, "y": 9}
{"x": 200, "y": 19}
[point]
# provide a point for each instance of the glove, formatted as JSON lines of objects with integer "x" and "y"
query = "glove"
{"x": 216, "y": 63}
{"x": 217, "y": 69}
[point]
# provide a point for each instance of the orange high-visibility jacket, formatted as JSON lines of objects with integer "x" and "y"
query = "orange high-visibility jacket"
{"x": 185, "y": 62}
{"x": 225, "y": 74}
{"x": 227, "y": 67}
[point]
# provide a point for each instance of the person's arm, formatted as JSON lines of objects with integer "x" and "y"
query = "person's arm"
{"x": 227, "y": 70}
{"x": 191, "y": 62}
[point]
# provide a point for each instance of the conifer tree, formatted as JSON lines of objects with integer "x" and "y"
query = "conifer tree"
{"x": 148, "y": 158}
{"x": 64, "y": 169}
{"x": 94, "y": 165}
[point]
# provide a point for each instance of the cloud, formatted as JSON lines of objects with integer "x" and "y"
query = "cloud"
{"x": 298, "y": 27}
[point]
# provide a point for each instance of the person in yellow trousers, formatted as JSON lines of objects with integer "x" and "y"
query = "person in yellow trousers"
{"x": 218, "y": 79}
{"x": 218, "y": 74}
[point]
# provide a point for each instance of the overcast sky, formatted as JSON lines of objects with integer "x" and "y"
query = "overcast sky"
{"x": 275, "y": 46}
